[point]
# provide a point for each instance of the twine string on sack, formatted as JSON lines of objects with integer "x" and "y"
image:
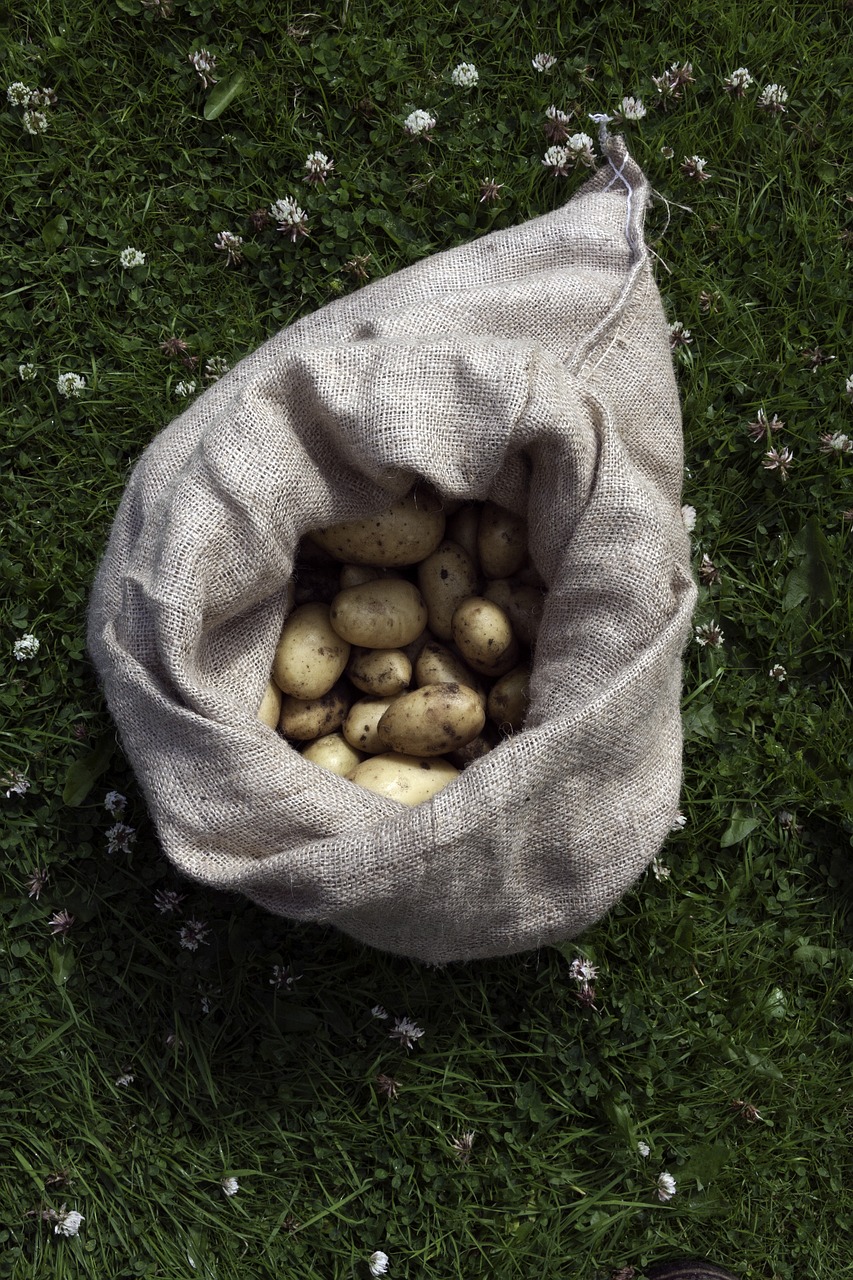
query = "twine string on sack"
{"x": 603, "y": 120}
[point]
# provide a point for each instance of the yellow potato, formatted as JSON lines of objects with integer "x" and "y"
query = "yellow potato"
{"x": 462, "y": 528}
{"x": 522, "y": 604}
{"x": 379, "y": 672}
{"x": 270, "y": 708}
{"x": 310, "y": 655}
{"x": 334, "y": 753}
{"x": 501, "y": 541}
{"x": 432, "y": 721}
{"x": 360, "y": 725}
{"x": 352, "y": 575}
{"x": 405, "y": 533}
{"x": 445, "y": 579}
{"x": 307, "y": 718}
{"x": 386, "y": 614}
{"x": 509, "y": 699}
{"x": 409, "y": 779}
{"x": 483, "y": 635}
{"x": 437, "y": 665}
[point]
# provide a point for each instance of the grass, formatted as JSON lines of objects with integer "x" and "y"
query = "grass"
{"x": 726, "y": 985}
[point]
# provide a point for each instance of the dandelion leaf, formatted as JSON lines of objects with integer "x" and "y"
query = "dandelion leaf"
{"x": 222, "y": 95}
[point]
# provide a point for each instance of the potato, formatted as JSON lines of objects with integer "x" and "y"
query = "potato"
{"x": 432, "y": 720}
{"x": 385, "y": 614}
{"x": 352, "y": 575}
{"x": 483, "y": 635}
{"x": 379, "y": 672}
{"x": 360, "y": 725}
{"x": 521, "y": 603}
{"x": 445, "y": 578}
{"x": 437, "y": 665}
{"x": 307, "y": 718}
{"x": 405, "y": 533}
{"x": 509, "y": 699}
{"x": 270, "y": 708}
{"x": 310, "y": 655}
{"x": 409, "y": 779}
{"x": 334, "y": 753}
{"x": 501, "y": 541}
{"x": 462, "y": 528}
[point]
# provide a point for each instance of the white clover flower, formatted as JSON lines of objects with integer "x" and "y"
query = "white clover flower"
{"x": 120, "y": 837}
{"x": 544, "y": 62}
{"x": 679, "y": 336}
{"x": 709, "y": 635}
{"x": 554, "y": 113}
{"x": 216, "y": 368}
{"x": 68, "y": 1222}
{"x": 290, "y": 218}
{"x": 580, "y": 147}
{"x": 130, "y": 258}
{"x": 419, "y": 122}
{"x": 679, "y": 822}
{"x": 644, "y": 1149}
{"x": 583, "y": 970}
{"x": 124, "y": 1082}
{"x": 405, "y": 1031}
{"x": 778, "y": 672}
{"x": 318, "y": 167}
{"x": 557, "y": 159}
{"x": 166, "y": 900}
{"x": 378, "y": 1012}
{"x": 778, "y": 460}
{"x": 848, "y": 387}
{"x": 688, "y": 515}
{"x": 230, "y": 1186}
{"x": 25, "y": 648}
{"x": 659, "y": 869}
{"x": 71, "y": 385}
{"x": 231, "y": 245}
{"x": 18, "y": 94}
{"x": 773, "y": 98}
{"x": 35, "y": 122}
{"x": 184, "y": 389}
{"x": 465, "y": 75}
{"x": 204, "y": 63}
{"x": 378, "y": 1263}
{"x": 666, "y": 1186}
{"x": 633, "y": 109}
{"x": 26, "y": 372}
{"x": 694, "y": 167}
{"x": 835, "y": 442}
{"x": 115, "y": 802}
{"x": 18, "y": 783}
{"x": 738, "y": 82}
{"x": 667, "y": 152}
{"x": 41, "y": 98}
{"x": 193, "y": 933}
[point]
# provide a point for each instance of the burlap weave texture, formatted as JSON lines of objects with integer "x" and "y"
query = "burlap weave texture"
{"x": 531, "y": 367}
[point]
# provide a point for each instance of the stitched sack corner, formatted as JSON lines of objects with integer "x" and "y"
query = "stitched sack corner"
{"x": 530, "y": 367}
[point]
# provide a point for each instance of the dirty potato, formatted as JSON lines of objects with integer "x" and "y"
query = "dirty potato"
{"x": 379, "y": 672}
{"x": 501, "y": 541}
{"x": 334, "y": 753}
{"x": 522, "y": 604}
{"x": 409, "y": 779}
{"x": 385, "y": 614}
{"x": 310, "y": 655}
{"x": 445, "y": 578}
{"x": 406, "y": 533}
{"x": 307, "y": 718}
{"x": 437, "y": 664}
{"x": 483, "y": 635}
{"x": 432, "y": 721}
{"x": 270, "y": 708}
{"x": 509, "y": 699}
{"x": 360, "y": 726}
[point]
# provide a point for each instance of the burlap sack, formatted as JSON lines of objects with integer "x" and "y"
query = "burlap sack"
{"x": 531, "y": 367}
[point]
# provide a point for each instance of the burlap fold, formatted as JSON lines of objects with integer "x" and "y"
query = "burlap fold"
{"x": 532, "y": 367}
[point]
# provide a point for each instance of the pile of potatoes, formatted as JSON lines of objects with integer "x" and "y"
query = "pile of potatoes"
{"x": 407, "y": 652}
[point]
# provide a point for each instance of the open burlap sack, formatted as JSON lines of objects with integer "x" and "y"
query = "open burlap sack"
{"x": 532, "y": 367}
